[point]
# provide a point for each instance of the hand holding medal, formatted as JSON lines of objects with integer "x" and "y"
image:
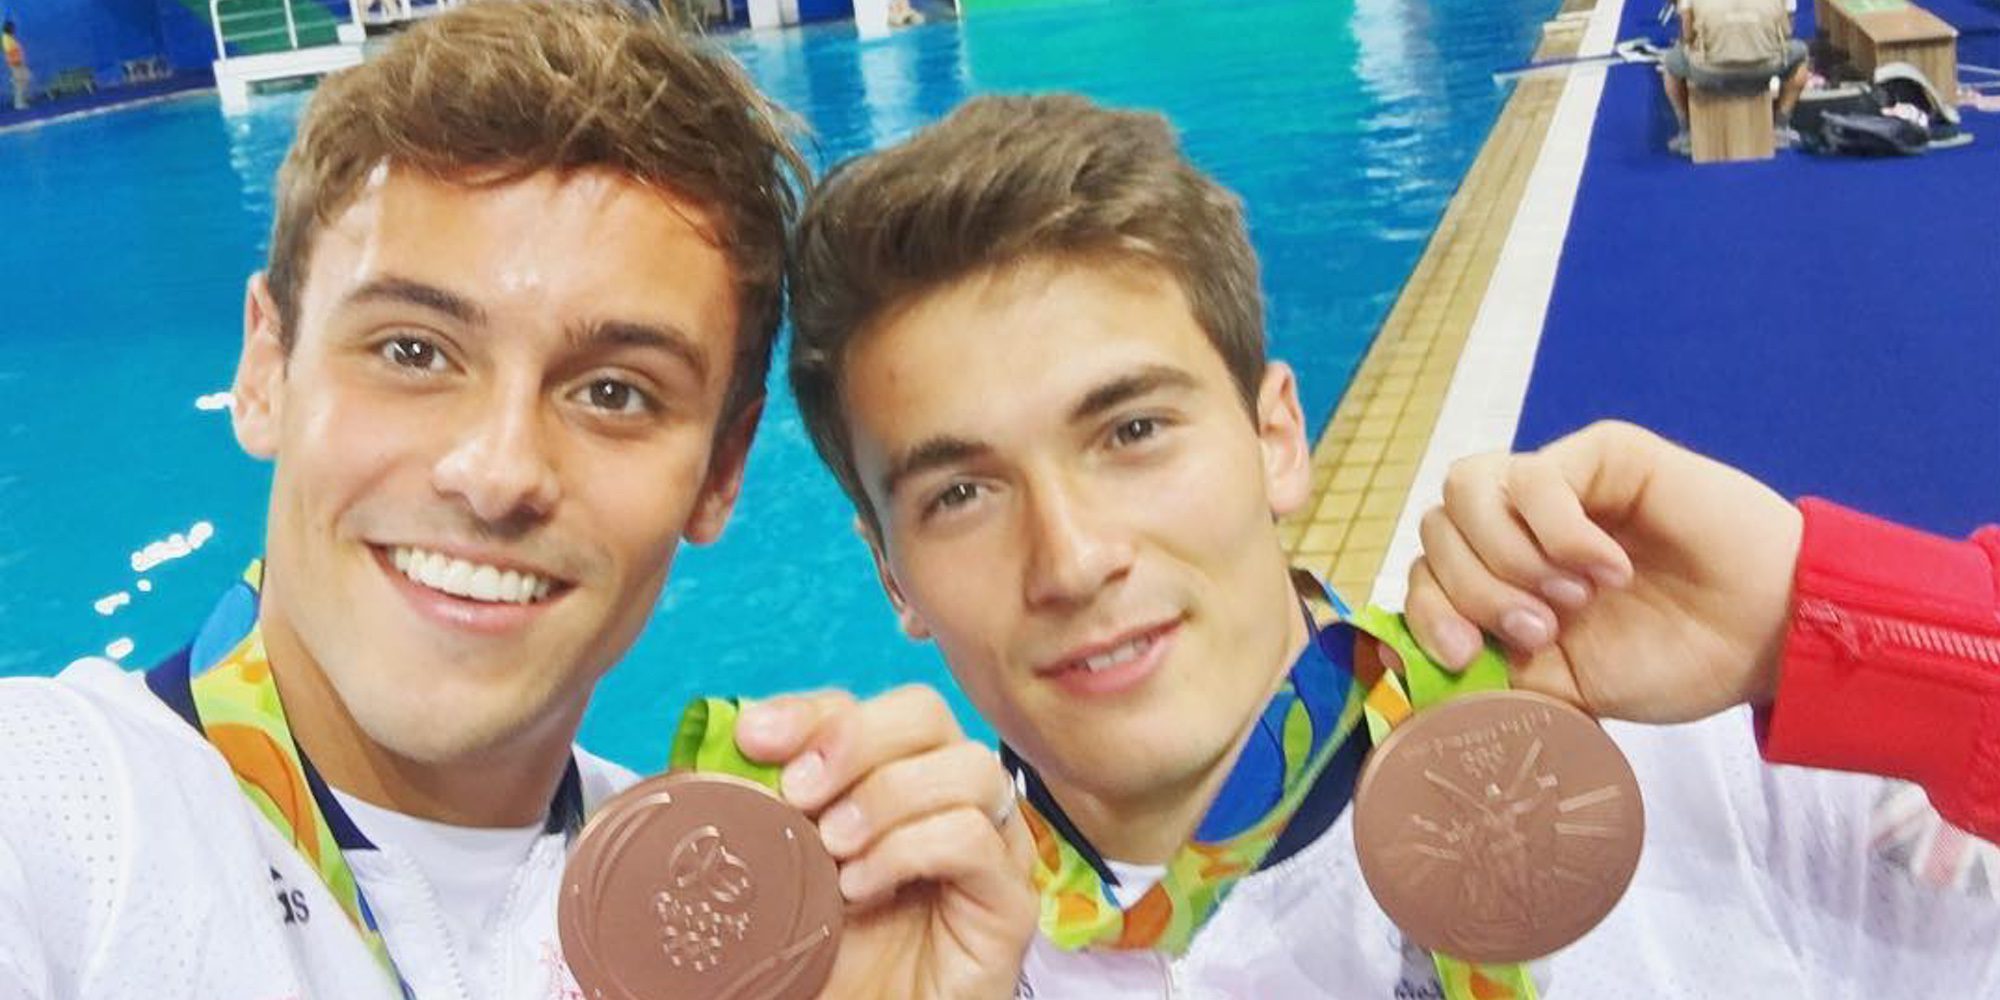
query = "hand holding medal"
{"x": 1494, "y": 826}
{"x": 712, "y": 882}
{"x": 701, "y": 884}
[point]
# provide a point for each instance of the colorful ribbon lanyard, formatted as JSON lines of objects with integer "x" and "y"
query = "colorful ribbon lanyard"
{"x": 1422, "y": 685}
{"x": 222, "y": 685}
{"x": 1315, "y": 715}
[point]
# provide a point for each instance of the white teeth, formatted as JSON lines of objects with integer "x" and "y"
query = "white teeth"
{"x": 473, "y": 581}
{"x": 484, "y": 584}
{"x": 1123, "y": 654}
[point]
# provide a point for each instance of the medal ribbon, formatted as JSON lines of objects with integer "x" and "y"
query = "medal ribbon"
{"x": 1079, "y": 910}
{"x": 1429, "y": 684}
{"x": 222, "y": 684}
{"x": 1314, "y": 716}
{"x": 234, "y": 701}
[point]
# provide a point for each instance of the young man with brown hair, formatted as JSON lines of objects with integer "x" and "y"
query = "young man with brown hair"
{"x": 1030, "y": 345}
{"x": 508, "y": 353}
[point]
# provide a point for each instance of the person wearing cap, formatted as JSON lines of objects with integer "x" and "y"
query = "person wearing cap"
{"x": 506, "y": 355}
{"x": 1030, "y": 346}
{"x": 1641, "y": 580}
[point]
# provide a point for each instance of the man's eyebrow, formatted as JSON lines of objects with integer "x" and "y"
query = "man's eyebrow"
{"x": 1124, "y": 388}
{"x": 931, "y": 454}
{"x": 417, "y": 293}
{"x": 612, "y": 334}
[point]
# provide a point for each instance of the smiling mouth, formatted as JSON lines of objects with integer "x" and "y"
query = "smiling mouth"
{"x": 469, "y": 580}
{"x": 1123, "y": 654}
{"x": 1126, "y": 652}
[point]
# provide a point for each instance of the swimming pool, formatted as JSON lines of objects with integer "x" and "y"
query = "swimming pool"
{"x": 125, "y": 238}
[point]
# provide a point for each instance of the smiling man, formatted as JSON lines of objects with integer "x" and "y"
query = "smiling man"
{"x": 508, "y": 354}
{"x": 1030, "y": 346}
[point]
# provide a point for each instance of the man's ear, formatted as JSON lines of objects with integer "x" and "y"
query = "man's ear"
{"x": 257, "y": 412}
{"x": 724, "y": 483}
{"x": 1281, "y": 429}
{"x": 912, "y": 625}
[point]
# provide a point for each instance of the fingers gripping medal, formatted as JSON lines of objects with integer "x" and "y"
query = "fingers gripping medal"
{"x": 1493, "y": 826}
{"x": 701, "y": 885}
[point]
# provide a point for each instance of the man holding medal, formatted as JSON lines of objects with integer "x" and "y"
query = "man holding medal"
{"x": 508, "y": 353}
{"x": 1030, "y": 346}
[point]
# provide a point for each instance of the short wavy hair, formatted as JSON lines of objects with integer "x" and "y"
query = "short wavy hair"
{"x": 497, "y": 90}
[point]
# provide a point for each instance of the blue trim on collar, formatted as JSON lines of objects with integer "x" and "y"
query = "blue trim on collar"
{"x": 1045, "y": 803}
{"x": 1320, "y": 675}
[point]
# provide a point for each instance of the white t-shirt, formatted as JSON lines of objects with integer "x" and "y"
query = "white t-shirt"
{"x": 1756, "y": 882}
{"x": 469, "y": 872}
{"x": 133, "y": 868}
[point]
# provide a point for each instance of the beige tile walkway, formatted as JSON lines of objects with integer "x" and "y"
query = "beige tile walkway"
{"x": 1367, "y": 456}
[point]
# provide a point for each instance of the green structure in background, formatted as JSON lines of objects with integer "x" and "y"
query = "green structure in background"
{"x": 254, "y": 27}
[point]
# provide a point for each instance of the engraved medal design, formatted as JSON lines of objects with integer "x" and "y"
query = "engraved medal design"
{"x": 699, "y": 885}
{"x": 1498, "y": 827}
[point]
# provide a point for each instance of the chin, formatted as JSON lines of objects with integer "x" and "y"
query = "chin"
{"x": 436, "y": 726}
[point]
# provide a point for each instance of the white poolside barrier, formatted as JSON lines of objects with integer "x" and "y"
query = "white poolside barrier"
{"x": 259, "y": 40}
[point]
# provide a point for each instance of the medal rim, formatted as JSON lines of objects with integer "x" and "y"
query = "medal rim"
{"x": 1369, "y": 850}
{"x": 817, "y": 890}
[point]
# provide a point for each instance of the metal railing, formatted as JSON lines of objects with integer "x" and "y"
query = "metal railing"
{"x": 261, "y": 26}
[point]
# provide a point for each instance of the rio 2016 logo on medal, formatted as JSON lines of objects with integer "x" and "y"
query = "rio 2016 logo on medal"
{"x": 699, "y": 885}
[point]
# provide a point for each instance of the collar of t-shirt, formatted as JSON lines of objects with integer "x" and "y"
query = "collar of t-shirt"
{"x": 470, "y": 871}
{"x": 1133, "y": 881}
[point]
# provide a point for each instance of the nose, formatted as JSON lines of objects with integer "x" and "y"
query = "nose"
{"x": 1075, "y": 549}
{"x": 499, "y": 464}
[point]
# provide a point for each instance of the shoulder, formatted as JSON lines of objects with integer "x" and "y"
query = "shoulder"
{"x": 70, "y": 774}
{"x": 78, "y": 751}
{"x": 601, "y": 778}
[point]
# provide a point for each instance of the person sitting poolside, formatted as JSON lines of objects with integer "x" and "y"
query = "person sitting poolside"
{"x": 508, "y": 352}
{"x": 1734, "y": 46}
{"x": 1030, "y": 346}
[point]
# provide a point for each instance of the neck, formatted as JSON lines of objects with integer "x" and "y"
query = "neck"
{"x": 509, "y": 786}
{"x": 1151, "y": 827}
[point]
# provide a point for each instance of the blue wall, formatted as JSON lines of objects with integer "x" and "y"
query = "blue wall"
{"x": 825, "y": 10}
{"x": 185, "y": 36}
{"x": 101, "y": 34}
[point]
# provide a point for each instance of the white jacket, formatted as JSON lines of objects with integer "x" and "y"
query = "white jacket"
{"x": 133, "y": 868}
{"x": 1756, "y": 882}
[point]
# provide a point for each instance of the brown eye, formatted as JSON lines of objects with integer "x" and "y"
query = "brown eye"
{"x": 951, "y": 498}
{"x": 1134, "y": 431}
{"x": 614, "y": 396}
{"x": 410, "y": 352}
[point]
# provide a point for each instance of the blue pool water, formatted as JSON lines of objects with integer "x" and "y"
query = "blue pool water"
{"x": 125, "y": 239}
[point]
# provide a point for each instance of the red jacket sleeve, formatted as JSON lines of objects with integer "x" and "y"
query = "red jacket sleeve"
{"x": 1891, "y": 662}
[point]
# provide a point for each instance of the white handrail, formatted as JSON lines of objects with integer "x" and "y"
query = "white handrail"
{"x": 217, "y": 18}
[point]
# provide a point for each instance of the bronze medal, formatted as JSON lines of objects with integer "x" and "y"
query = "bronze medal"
{"x": 699, "y": 885}
{"x": 1498, "y": 827}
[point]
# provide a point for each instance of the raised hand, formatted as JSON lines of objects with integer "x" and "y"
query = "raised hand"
{"x": 920, "y": 819}
{"x": 1625, "y": 574}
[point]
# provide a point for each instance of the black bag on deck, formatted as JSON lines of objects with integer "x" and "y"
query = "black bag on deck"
{"x": 1872, "y": 135}
{"x": 1848, "y": 121}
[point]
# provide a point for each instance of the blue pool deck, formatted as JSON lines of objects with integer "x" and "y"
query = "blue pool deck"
{"x": 1831, "y": 325}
